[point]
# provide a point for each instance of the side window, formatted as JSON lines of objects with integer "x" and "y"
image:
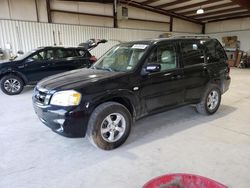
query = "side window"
{"x": 81, "y": 53}
{"x": 49, "y": 55}
{"x": 38, "y": 56}
{"x": 214, "y": 51}
{"x": 192, "y": 53}
{"x": 165, "y": 55}
{"x": 69, "y": 53}
{"x": 59, "y": 53}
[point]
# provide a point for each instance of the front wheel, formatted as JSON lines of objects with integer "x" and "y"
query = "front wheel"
{"x": 11, "y": 84}
{"x": 210, "y": 101}
{"x": 109, "y": 125}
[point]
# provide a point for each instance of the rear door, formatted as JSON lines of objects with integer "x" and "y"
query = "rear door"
{"x": 163, "y": 89}
{"x": 64, "y": 60}
{"x": 194, "y": 69}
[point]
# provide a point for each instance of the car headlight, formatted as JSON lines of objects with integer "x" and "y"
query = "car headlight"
{"x": 66, "y": 98}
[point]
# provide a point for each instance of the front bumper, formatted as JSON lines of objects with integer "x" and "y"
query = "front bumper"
{"x": 66, "y": 121}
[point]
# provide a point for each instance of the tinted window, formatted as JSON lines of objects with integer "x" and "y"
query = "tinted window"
{"x": 192, "y": 53}
{"x": 214, "y": 50}
{"x": 64, "y": 53}
{"x": 82, "y": 53}
{"x": 49, "y": 54}
{"x": 38, "y": 56}
{"x": 69, "y": 53}
{"x": 165, "y": 55}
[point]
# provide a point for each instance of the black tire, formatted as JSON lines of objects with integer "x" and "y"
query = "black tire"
{"x": 203, "y": 107}
{"x": 10, "y": 91}
{"x": 97, "y": 122}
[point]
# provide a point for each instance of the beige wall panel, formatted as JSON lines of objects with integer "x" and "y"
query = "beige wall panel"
{"x": 143, "y": 25}
{"x": 93, "y": 8}
{"x": 147, "y": 15}
{"x": 4, "y": 9}
{"x": 96, "y": 21}
{"x": 186, "y": 26}
{"x": 23, "y": 10}
{"x": 228, "y": 25}
{"x": 64, "y": 5}
{"x": 59, "y": 17}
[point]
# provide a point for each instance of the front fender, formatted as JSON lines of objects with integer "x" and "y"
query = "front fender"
{"x": 127, "y": 95}
{"x": 7, "y": 71}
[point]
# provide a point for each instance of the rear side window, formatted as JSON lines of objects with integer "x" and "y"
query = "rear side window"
{"x": 82, "y": 53}
{"x": 192, "y": 53}
{"x": 214, "y": 51}
{"x": 65, "y": 53}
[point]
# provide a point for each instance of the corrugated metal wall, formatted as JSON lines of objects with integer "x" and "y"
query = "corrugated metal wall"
{"x": 29, "y": 35}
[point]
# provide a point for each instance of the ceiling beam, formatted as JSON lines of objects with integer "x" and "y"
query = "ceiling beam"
{"x": 159, "y": 11}
{"x": 172, "y": 3}
{"x": 243, "y": 3}
{"x": 193, "y": 5}
{"x": 223, "y": 19}
{"x": 149, "y": 2}
{"x": 225, "y": 16}
{"x": 218, "y": 12}
{"x": 209, "y": 8}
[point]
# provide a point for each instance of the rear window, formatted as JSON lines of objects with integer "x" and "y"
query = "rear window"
{"x": 192, "y": 52}
{"x": 214, "y": 51}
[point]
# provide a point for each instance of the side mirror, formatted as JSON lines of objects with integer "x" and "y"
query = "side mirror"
{"x": 153, "y": 68}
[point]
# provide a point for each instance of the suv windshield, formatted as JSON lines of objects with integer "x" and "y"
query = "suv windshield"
{"x": 121, "y": 58}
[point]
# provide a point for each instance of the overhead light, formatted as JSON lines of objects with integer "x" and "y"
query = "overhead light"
{"x": 200, "y": 11}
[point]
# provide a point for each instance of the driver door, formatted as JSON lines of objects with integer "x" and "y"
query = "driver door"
{"x": 37, "y": 66}
{"x": 164, "y": 88}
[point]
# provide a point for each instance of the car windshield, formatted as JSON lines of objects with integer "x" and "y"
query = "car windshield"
{"x": 21, "y": 57}
{"x": 121, "y": 58}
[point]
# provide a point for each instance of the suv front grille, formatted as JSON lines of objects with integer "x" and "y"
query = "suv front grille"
{"x": 41, "y": 96}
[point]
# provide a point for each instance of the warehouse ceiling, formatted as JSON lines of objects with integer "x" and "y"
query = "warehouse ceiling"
{"x": 214, "y": 10}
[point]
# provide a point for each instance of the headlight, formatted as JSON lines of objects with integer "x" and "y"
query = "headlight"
{"x": 66, "y": 98}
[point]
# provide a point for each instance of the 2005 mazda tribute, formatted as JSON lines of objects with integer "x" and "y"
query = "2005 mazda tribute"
{"x": 130, "y": 81}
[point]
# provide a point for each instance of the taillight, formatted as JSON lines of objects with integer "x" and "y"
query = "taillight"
{"x": 93, "y": 59}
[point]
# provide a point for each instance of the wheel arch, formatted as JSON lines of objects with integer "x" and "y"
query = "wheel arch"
{"x": 23, "y": 77}
{"x": 124, "y": 100}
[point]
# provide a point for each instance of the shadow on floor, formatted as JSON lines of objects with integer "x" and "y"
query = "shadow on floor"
{"x": 170, "y": 122}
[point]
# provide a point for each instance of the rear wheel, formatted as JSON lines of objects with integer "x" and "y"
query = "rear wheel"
{"x": 11, "y": 84}
{"x": 210, "y": 101}
{"x": 109, "y": 125}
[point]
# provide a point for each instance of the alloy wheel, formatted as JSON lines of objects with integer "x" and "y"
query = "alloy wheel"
{"x": 212, "y": 100}
{"x": 12, "y": 85}
{"x": 113, "y": 127}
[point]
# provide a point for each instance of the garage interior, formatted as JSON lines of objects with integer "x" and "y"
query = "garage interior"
{"x": 176, "y": 141}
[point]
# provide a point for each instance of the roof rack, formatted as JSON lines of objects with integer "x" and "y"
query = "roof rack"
{"x": 192, "y": 36}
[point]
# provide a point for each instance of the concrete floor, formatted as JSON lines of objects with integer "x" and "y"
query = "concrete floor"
{"x": 177, "y": 141}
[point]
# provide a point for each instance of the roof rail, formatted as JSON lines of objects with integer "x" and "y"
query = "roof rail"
{"x": 192, "y": 36}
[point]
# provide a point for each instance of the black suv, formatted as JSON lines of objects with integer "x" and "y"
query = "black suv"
{"x": 42, "y": 62}
{"x": 130, "y": 81}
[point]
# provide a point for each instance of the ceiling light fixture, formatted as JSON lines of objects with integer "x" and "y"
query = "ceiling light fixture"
{"x": 200, "y": 11}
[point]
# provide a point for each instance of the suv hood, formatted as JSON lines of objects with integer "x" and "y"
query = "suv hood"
{"x": 7, "y": 62}
{"x": 75, "y": 79}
